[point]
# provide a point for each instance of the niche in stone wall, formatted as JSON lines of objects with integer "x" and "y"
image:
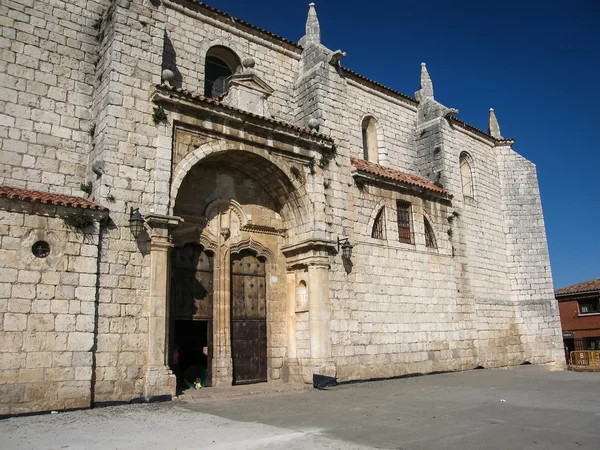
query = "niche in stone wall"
{"x": 301, "y": 297}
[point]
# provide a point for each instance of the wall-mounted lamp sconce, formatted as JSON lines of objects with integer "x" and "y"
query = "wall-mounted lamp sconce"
{"x": 346, "y": 247}
{"x": 136, "y": 222}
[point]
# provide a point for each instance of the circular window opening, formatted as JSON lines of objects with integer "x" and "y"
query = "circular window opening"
{"x": 40, "y": 249}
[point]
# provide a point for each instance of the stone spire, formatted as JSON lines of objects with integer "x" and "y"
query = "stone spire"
{"x": 426, "y": 90}
{"x": 493, "y": 127}
{"x": 313, "y": 29}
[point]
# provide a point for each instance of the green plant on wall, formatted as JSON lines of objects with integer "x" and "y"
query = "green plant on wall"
{"x": 361, "y": 184}
{"x": 295, "y": 172}
{"x": 159, "y": 114}
{"x": 86, "y": 187}
{"x": 78, "y": 221}
{"x": 311, "y": 166}
{"x": 326, "y": 158}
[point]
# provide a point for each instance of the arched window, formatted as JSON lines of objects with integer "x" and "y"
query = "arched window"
{"x": 220, "y": 64}
{"x": 429, "y": 236}
{"x": 378, "y": 231}
{"x": 466, "y": 174}
{"x": 369, "y": 139}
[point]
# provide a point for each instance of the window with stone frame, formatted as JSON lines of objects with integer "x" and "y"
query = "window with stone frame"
{"x": 369, "y": 140}
{"x": 220, "y": 64}
{"x": 466, "y": 174}
{"x": 589, "y": 306}
{"x": 378, "y": 231}
{"x": 404, "y": 221}
{"x": 429, "y": 235}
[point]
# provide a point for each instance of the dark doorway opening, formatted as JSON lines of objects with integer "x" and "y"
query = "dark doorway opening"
{"x": 191, "y": 315}
{"x": 192, "y": 342}
{"x": 569, "y": 347}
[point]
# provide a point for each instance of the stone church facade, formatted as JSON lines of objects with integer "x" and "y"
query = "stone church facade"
{"x": 174, "y": 179}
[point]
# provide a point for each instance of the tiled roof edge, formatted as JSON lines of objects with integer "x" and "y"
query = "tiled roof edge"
{"x": 397, "y": 176}
{"x": 200, "y": 98}
{"x": 235, "y": 20}
{"x": 481, "y": 132}
{"x": 379, "y": 85}
{"x": 579, "y": 288}
{"x": 47, "y": 198}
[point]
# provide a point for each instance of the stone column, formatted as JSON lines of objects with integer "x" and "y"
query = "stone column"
{"x": 159, "y": 380}
{"x": 319, "y": 310}
{"x": 222, "y": 363}
{"x": 314, "y": 254}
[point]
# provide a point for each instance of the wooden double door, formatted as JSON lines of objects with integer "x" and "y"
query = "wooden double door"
{"x": 248, "y": 318}
{"x": 192, "y": 280}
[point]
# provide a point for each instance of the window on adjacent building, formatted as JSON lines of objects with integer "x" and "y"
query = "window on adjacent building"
{"x": 369, "y": 139}
{"x": 429, "y": 236}
{"x": 378, "y": 231}
{"x": 404, "y": 234}
{"x": 466, "y": 174}
{"x": 220, "y": 64}
{"x": 589, "y": 306}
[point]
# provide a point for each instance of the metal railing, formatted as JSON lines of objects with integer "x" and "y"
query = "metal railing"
{"x": 585, "y": 360}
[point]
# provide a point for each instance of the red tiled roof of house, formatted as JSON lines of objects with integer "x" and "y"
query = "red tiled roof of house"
{"x": 212, "y": 101}
{"x": 396, "y": 175}
{"x": 586, "y": 286}
{"x": 13, "y": 193}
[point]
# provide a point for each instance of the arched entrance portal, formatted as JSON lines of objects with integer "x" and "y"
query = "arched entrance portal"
{"x": 237, "y": 208}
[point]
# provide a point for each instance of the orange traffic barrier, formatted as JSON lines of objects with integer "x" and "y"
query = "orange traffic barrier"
{"x": 585, "y": 360}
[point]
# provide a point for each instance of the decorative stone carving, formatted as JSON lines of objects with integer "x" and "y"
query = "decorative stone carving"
{"x": 248, "y": 91}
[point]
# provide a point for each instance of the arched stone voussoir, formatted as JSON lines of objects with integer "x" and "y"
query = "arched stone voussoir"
{"x": 273, "y": 171}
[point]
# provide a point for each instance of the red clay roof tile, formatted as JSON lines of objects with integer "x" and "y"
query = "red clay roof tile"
{"x": 13, "y": 193}
{"x": 396, "y": 175}
{"x": 586, "y": 286}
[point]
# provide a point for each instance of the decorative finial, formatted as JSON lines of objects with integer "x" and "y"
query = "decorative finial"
{"x": 493, "y": 126}
{"x": 167, "y": 75}
{"x": 313, "y": 29}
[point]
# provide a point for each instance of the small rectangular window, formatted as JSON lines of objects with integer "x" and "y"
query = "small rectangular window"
{"x": 589, "y": 306}
{"x": 404, "y": 228}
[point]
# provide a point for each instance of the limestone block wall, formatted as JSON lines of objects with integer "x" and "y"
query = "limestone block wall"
{"x": 192, "y": 32}
{"x": 47, "y": 56}
{"x": 124, "y": 166}
{"x": 396, "y": 311}
{"x": 481, "y": 245}
{"x": 528, "y": 259}
{"x": 395, "y": 126}
{"x": 47, "y": 310}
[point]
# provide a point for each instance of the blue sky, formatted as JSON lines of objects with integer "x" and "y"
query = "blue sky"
{"x": 537, "y": 63}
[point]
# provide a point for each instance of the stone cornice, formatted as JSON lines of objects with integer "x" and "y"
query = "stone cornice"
{"x": 249, "y": 122}
{"x": 162, "y": 221}
{"x": 311, "y": 252}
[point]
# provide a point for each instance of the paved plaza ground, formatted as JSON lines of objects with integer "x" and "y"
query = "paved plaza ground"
{"x": 529, "y": 407}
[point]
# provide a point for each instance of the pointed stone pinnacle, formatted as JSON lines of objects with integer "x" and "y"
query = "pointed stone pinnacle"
{"x": 493, "y": 126}
{"x": 426, "y": 83}
{"x": 313, "y": 29}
